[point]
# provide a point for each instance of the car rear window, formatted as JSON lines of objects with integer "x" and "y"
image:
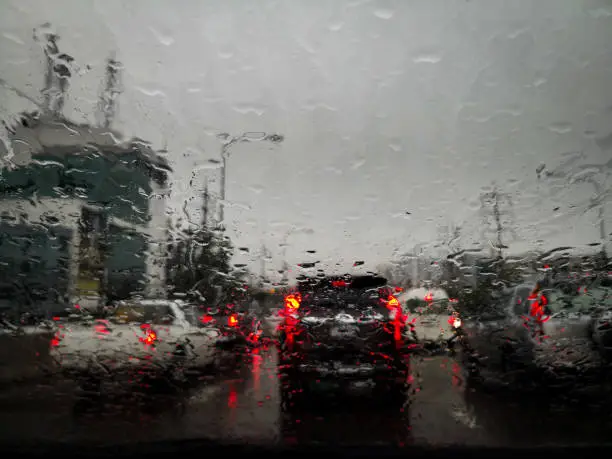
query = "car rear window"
{"x": 141, "y": 313}
{"x": 417, "y": 306}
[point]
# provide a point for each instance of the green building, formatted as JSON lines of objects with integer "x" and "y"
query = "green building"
{"x": 82, "y": 215}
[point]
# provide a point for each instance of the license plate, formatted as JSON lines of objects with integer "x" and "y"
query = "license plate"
{"x": 350, "y": 370}
{"x": 343, "y": 332}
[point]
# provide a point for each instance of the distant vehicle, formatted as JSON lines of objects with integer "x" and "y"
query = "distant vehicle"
{"x": 144, "y": 338}
{"x": 432, "y": 315}
{"x": 237, "y": 324}
{"x": 338, "y": 331}
{"x": 540, "y": 330}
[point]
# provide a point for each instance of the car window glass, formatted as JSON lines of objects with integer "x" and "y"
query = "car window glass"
{"x": 154, "y": 315}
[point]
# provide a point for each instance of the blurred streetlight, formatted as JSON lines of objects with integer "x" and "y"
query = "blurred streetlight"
{"x": 227, "y": 141}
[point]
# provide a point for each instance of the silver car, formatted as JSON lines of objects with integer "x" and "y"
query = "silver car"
{"x": 432, "y": 315}
{"x": 558, "y": 331}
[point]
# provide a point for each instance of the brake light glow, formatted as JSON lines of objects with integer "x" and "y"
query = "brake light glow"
{"x": 55, "y": 341}
{"x": 150, "y": 338}
{"x": 292, "y": 302}
{"x": 101, "y": 328}
{"x": 232, "y": 321}
{"x": 339, "y": 283}
{"x": 206, "y": 319}
{"x": 457, "y": 322}
{"x": 392, "y": 302}
{"x": 429, "y": 297}
{"x": 398, "y": 320}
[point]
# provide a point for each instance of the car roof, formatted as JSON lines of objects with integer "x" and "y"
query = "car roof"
{"x": 151, "y": 302}
{"x": 421, "y": 293}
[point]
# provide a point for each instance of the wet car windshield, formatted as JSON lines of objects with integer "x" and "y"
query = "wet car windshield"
{"x": 300, "y": 222}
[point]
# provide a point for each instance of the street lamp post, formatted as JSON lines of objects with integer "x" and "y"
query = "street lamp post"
{"x": 229, "y": 140}
{"x": 600, "y": 210}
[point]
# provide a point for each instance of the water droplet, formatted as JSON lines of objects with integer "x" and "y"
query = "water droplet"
{"x": 225, "y": 54}
{"x": 516, "y": 33}
{"x": 246, "y": 109}
{"x": 427, "y": 59}
{"x": 384, "y": 13}
{"x": 358, "y": 164}
{"x": 600, "y": 13}
{"x": 150, "y": 92}
{"x": 165, "y": 40}
{"x": 539, "y": 82}
{"x": 256, "y": 189}
{"x": 335, "y": 26}
{"x": 560, "y": 128}
{"x": 13, "y": 38}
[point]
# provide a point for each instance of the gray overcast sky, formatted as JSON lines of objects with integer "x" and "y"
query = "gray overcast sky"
{"x": 387, "y": 108}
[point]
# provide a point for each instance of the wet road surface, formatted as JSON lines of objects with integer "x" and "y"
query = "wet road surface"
{"x": 243, "y": 404}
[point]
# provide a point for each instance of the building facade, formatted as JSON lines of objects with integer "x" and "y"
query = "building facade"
{"x": 82, "y": 215}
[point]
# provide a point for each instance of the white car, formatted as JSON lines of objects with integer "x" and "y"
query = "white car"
{"x": 149, "y": 336}
{"x": 432, "y": 314}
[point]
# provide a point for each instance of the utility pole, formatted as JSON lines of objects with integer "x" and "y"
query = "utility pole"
{"x": 263, "y": 259}
{"x": 50, "y": 49}
{"x": 57, "y": 73}
{"x": 110, "y": 92}
{"x": 285, "y": 268}
{"x": 205, "y": 202}
{"x": 494, "y": 200}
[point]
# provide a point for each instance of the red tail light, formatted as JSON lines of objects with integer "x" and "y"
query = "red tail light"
{"x": 393, "y": 303}
{"x": 150, "y": 336}
{"x": 292, "y": 302}
{"x": 101, "y": 328}
{"x": 55, "y": 341}
{"x": 232, "y": 321}
{"x": 429, "y": 297}
{"x": 398, "y": 321}
{"x": 206, "y": 319}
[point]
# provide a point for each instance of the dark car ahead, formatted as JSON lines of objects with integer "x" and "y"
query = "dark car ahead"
{"x": 531, "y": 332}
{"x": 341, "y": 331}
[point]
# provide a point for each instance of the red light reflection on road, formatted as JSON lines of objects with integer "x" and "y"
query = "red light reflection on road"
{"x": 456, "y": 377}
{"x": 232, "y": 398}
{"x": 256, "y": 370}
